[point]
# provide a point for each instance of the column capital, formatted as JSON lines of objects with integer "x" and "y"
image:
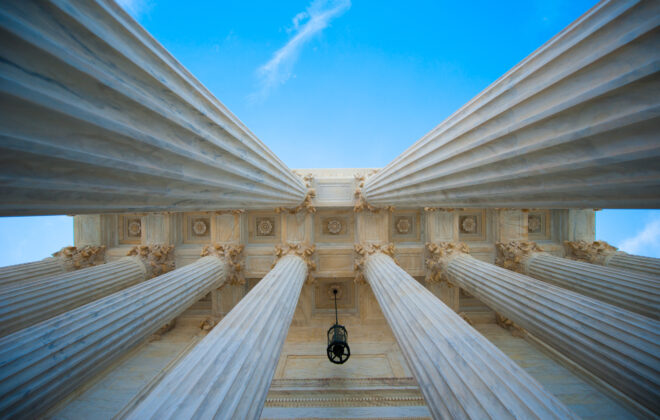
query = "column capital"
{"x": 596, "y": 252}
{"x": 439, "y": 256}
{"x": 75, "y": 258}
{"x": 361, "y": 203}
{"x": 363, "y": 251}
{"x": 157, "y": 259}
{"x": 307, "y": 203}
{"x": 233, "y": 257}
{"x": 514, "y": 255}
{"x": 304, "y": 251}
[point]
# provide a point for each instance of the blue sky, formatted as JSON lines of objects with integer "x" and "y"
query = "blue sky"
{"x": 337, "y": 83}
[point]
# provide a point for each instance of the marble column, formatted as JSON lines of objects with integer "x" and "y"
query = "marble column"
{"x": 29, "y": 302}
{"x": 97, "y": 117}
{"x": 632, "y": 290}
{"x": 572, "y": 125}
{"x": 67, "y": 259}
{"x": 461, "y": 374}
{"x": 228, "y": 374}
{"x": 41, "y": 365}
{"x": 618, "y": 346}
{"x": 602, "y": 253}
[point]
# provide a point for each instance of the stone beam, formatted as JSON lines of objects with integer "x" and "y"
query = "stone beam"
{"x": 97, "y": 117}
{"x": 572, "y": 125}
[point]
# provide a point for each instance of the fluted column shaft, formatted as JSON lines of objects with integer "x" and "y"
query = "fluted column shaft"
{"x": 619, "y": 346}
{"x": 13, "y": 274}
{"x": 33, "y": 301}
{"x": 634, "y": 291}
{"x": 602, "y": 253}
{"x": 67, "y": 259}
{"x": 572, "y": 125}
{"x": 97, "y": 117}
{"x": 228, "y": 374}
{"x": 460, "y": 373}
{"x": 41, "y": 365}
{"x": 631, "y": 262}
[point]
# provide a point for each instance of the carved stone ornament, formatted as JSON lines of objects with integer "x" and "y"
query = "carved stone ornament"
{"x": 512, "y": 255}
{"x": 200, "y": 226}
{"x": 334, "y": 226}
{"x": 169, "y": 326}
{"x": 362, "y": 252}
{"x": 439, "y": 255}
{"x": 360, "y": 202}
{"x": 335, "y": 286}
{"x": 403, "y": 225}
{"x": 233, "y": 256}
{"x": 307, "y": 203}
{"x": 306, "y": 252}
{"x": 74, "y": 258}
{"x": 465, "y": 318}
{"x": 157, "y": 259}
{"x": 468, "y": 224}
{"x": 134, "y": 227}
{"x": 265, "y": 226}
{"x": 507, "y": 324}
{"x": 596, "y": 252}
{"x": 533, "y": 223}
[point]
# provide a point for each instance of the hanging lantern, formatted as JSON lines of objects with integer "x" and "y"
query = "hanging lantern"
{"x": 338, "y": 350}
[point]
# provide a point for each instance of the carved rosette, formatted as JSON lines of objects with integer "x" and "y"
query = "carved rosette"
{"x": 513, "y": 255}
{"x": 438, "y": 257}
{"x": 596, "y": 252}
{"x": 306, "y": 252}
{"x": 363, "y": 251}
{"x": 157, "y": 259}
{"x": 233, "y": 257}
{"x": 74, "y": 258}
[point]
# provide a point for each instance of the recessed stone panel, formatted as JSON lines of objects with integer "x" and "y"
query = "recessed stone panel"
{"x": 334, "y": 226}
{"x": 405, "y": 226}
{"x": 324, "y": 297}
{"x": 472, "y": 225}
{"x": 198, "y": 228}
{"x": 130, "y": 229}
{"x": 264, "y": 228}
{"x": 538, "y": 225}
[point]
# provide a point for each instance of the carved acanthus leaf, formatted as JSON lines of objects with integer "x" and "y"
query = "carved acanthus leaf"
{"x": 233, "y": 256}
{"x": 235, "y": 211}
{"x": 361, "y": 202}
{"x": 75, "y": 258}
{"x": 362, "y": 251}
{"x": 512, "y": 255}
{"x": 157, "y": 259}
{"x": 306, "y": 252}
{"x": 507, "y": 324}
{"x": 465, "y": 318}
{"x": 447, "y": 209}
{"x": 592, "y": 252}
{"x": 306, "y": 205}
{"x": 438, "y": 257}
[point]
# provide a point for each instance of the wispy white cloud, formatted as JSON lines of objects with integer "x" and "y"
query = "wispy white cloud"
{"x": 135, "y": 8}
{"x": 646, "y": 242}
{"x": 305, "y": 25}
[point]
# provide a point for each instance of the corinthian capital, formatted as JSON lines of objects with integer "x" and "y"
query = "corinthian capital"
{"x": 438, "y": 257}
{"x": 233, "y": 256}
{"x": 595, "y": 252}
{"x": 74, "y": 258}
{"x": 512, "y": 255}
{"x": 306, "y": 252}
{"x": 157, "y": 259}
{"x": 362, "y": 251}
